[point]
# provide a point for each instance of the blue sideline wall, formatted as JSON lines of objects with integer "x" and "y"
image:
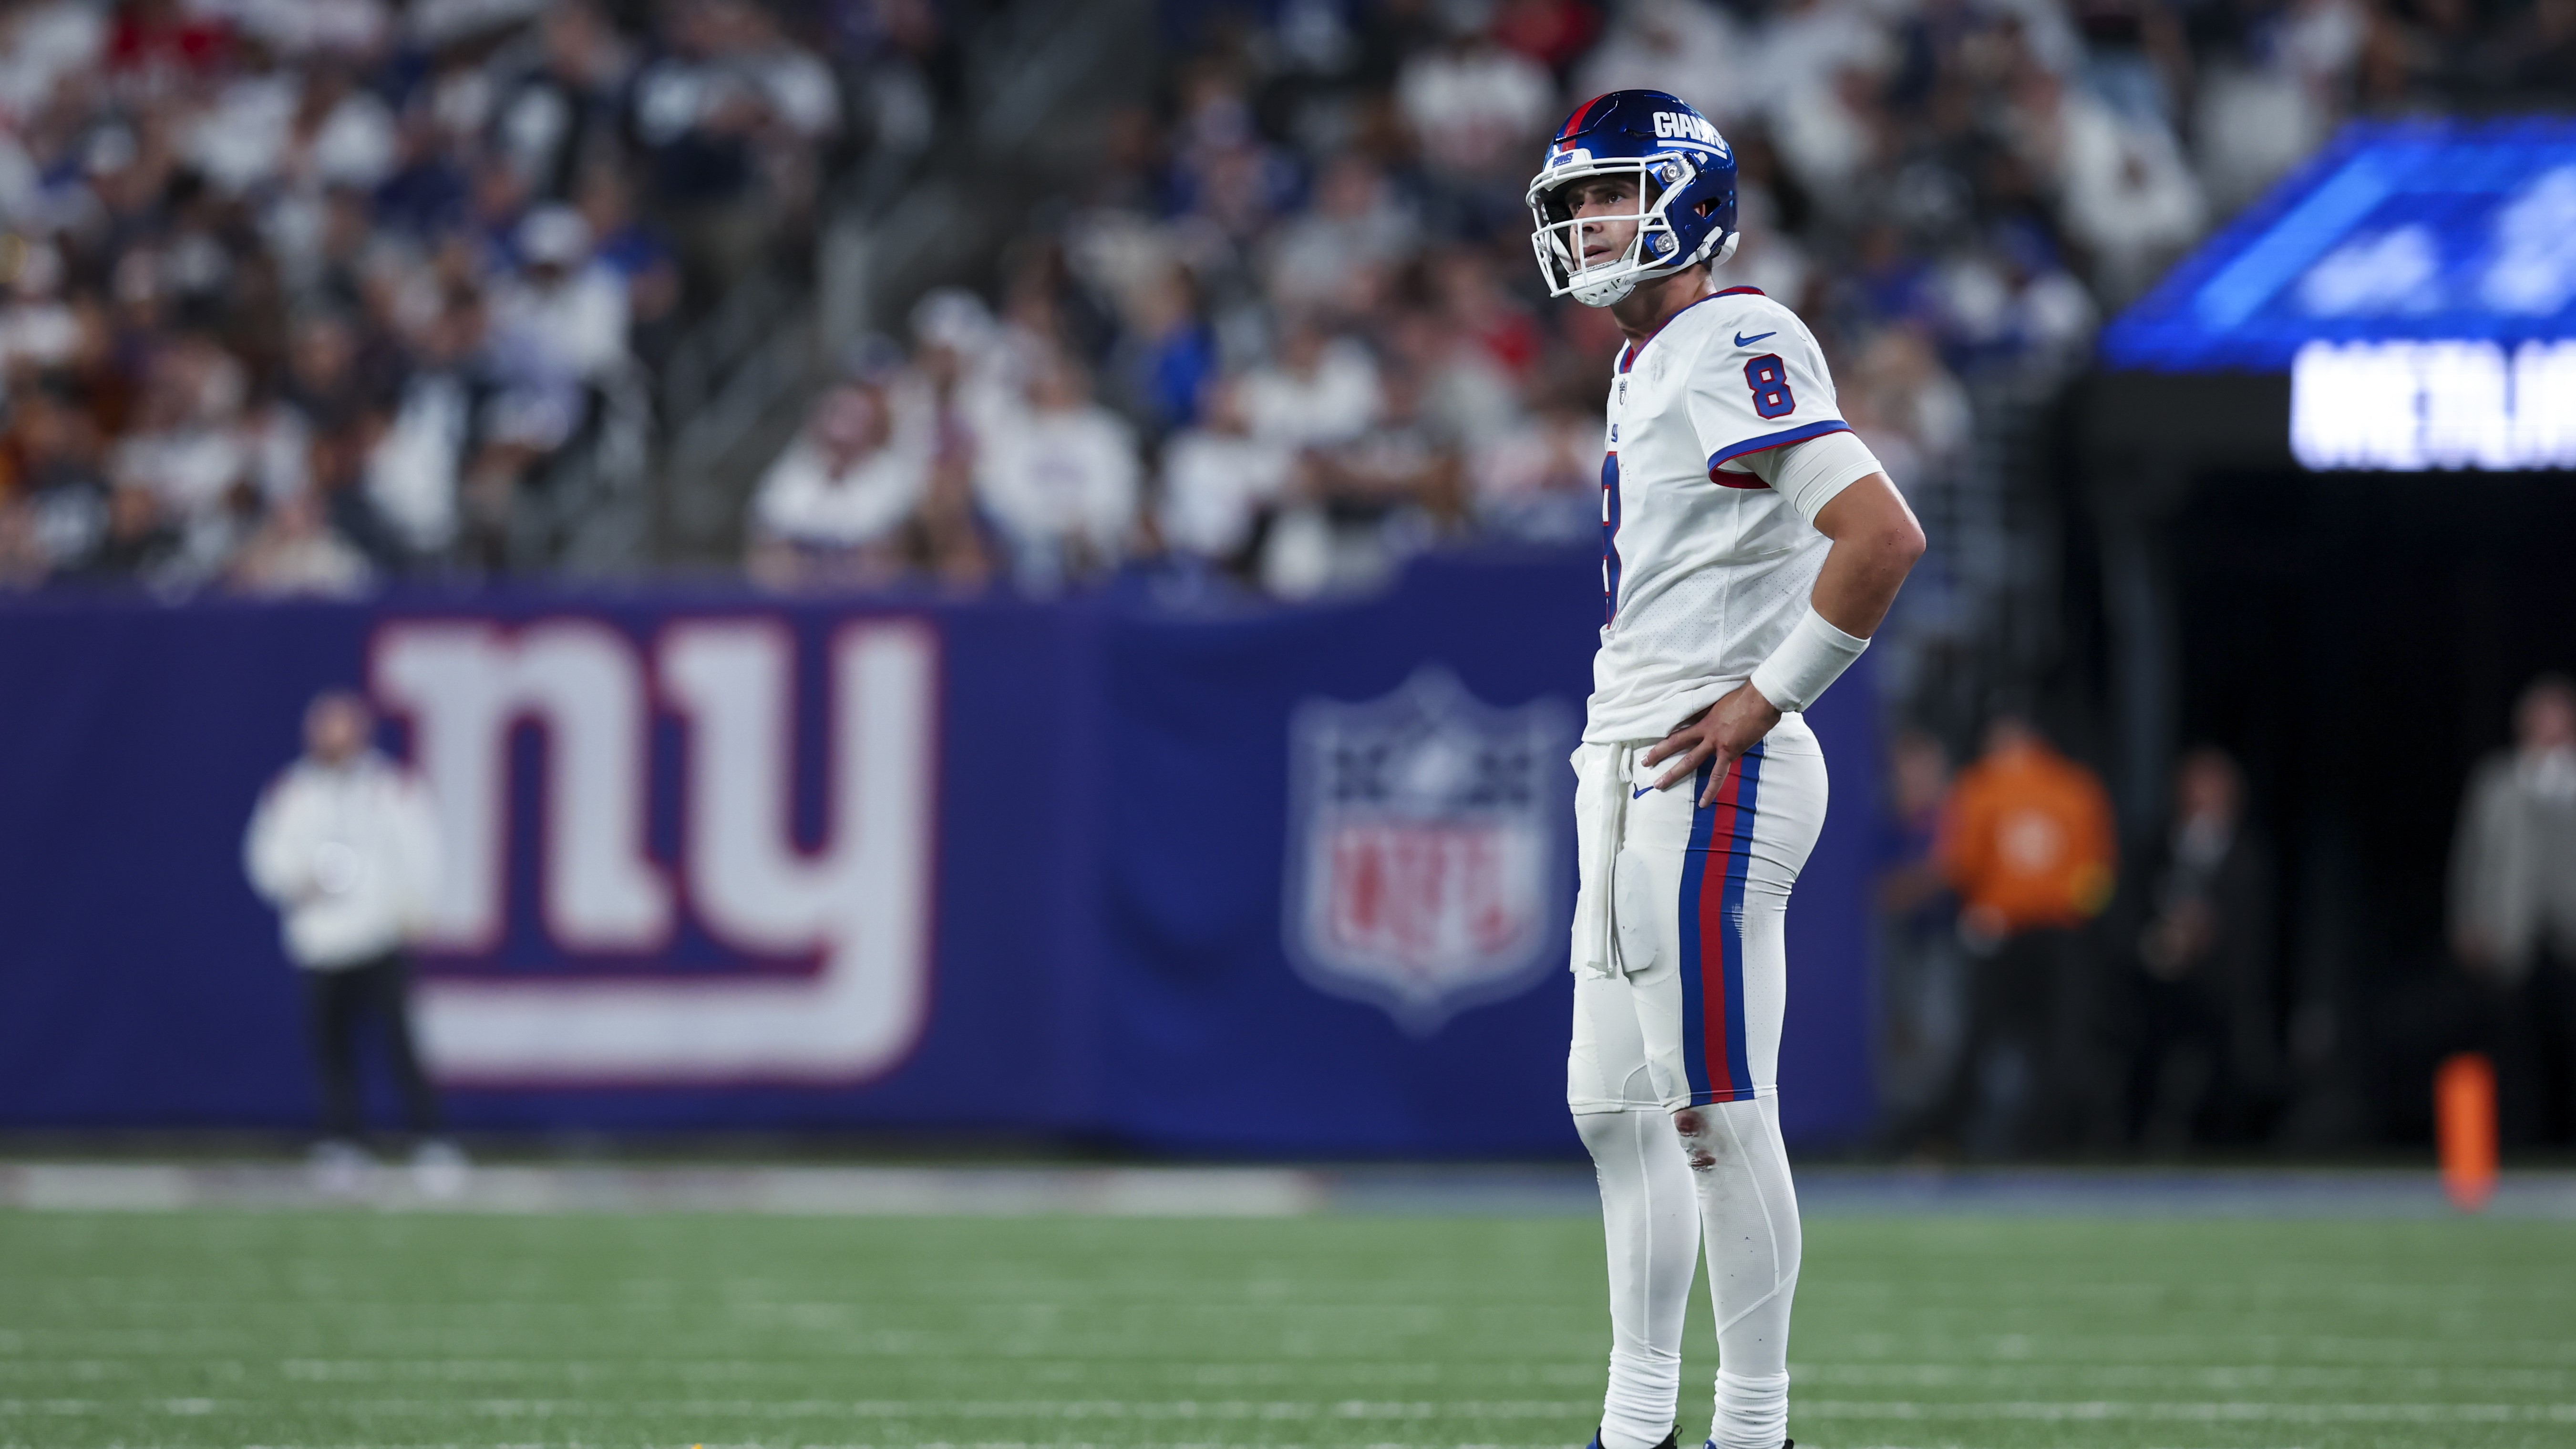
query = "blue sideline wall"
{"x": 1118, "y": 812}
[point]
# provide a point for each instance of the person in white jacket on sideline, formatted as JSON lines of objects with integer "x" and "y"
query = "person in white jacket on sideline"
{"x": 345, "y": 845}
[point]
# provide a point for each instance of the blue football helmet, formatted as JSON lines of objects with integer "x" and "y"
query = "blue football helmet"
{"x": 1685, "y": 175}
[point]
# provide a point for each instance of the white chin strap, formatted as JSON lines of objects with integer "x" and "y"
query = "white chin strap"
{"x": 1607, "y": 291}
{"x": 1620, "y": 283}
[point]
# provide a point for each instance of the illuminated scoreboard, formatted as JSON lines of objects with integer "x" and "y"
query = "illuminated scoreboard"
{"x": 2416, "y": 281}
{"x": 2402, "y": 407}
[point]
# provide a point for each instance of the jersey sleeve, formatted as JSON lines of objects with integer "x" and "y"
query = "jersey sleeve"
{"x": 1757, "y": 386}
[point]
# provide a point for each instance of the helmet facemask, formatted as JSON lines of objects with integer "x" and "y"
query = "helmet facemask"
{"x": 1654, "y": 251}
{"x": 1651, "y": 252}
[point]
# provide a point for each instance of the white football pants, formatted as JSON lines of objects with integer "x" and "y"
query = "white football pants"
{"x": 1671, "y": 1077}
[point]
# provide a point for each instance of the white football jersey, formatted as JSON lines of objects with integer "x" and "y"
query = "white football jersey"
{"x": 1704, "y": 567}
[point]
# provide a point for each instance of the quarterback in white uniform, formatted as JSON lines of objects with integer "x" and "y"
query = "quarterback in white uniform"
{"x": 1750, "y": 546}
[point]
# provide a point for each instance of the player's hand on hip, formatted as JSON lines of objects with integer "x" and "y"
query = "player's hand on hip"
{"x": 1724, "y": 730}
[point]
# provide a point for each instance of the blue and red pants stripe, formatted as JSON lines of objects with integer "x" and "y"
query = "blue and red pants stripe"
{"x": 1714, "y": 867}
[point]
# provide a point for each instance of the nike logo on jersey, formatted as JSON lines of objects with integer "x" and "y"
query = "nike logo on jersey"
{"x": 1641, "y": 792}
{"x": 1743, "y": 341}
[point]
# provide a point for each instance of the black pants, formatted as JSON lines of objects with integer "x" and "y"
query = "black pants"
{"x": 2014, "y": 1089}
{"x": 2530, "y": 1029}
{"x": 2194, "y": 1063}
{"x": 339, "y": 1004}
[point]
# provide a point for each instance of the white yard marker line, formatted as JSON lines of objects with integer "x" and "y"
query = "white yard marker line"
{"x": 1294, "y": 1410}
{"x": 1251, "y": 1192}
{"x": 1149, "y": 1410}
{"x": 2203, "y": 1376}
{"x": 1222, "y": 1192}
{"x": 2222, "y": 1411}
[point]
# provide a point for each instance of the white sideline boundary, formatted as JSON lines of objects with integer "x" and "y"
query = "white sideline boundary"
{"x": 1248, "y": 1192}
{"x": 778, "y": 1191}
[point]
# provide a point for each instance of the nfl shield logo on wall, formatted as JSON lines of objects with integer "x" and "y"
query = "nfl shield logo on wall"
{"x": 1427, "y": 855}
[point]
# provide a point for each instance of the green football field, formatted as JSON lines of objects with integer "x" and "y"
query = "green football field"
{"x": 352, "y": 1329}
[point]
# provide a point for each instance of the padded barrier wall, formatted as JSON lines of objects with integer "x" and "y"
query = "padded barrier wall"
{"x": 1275, "y": 882}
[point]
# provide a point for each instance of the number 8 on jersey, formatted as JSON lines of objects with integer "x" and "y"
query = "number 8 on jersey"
{"x": 1768, "y": 376}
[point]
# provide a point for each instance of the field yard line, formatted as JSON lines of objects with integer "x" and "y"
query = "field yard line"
{"x": 1808, "y": 1376}
{"x": 2392, "y": 1350}
{"x": 1220, "y": 1192}
{"x": 2223, "y": 1411}
{"x": 1149, "y": 1409}
{"x": 1192, "y": 1443}
{"x": 2214, "y": 1376}
{"x": 1007, "y": 1190}
{"x": 2046, "y": 1411}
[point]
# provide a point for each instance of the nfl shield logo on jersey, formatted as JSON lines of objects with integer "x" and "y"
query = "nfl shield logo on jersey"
{"x": 1427, "y": 859}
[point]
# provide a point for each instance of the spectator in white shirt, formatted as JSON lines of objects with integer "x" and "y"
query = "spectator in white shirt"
{"x": 296, "y": 551}
{"x": 1319, "y": 391}
{"x": 239, "y": 140}
{"x": 831, "y": 509}
{"x": 415, "y": 469}
{"x": 564, "y": 312}
{"x": 1337, "y": 257}
{"x": 555, "y": 329}
{"x": 2123, "y": 189}
{"x": 1541, "y": 480}
{"x": 2513, "y": 912}
{"x": 1218, "y": 479}
{"x": 38, "y": 329}
{"x": 345, "y": 846}
{"x": 183, "y": 445}
{"x": 1474, "y": 106}
{"x": 1688, "y": 47}
{"x": 340, "y": 134}
{"x": 1057, "y": 473}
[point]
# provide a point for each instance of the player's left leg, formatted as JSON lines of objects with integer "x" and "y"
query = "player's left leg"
{"x": 1747, "y": 850}
{"x": 1649, "y": 1207}
{"x": 1649, "y": 1216}
{"x": 1749, "y": 1213}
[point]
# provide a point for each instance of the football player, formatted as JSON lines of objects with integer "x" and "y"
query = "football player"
{"x": 1750, "y": 546}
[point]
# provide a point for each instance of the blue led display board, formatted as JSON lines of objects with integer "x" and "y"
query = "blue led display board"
{"x": 2396, "y": 231}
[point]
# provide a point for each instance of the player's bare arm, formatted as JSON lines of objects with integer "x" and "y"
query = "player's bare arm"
{"x": 1876, "y": 541}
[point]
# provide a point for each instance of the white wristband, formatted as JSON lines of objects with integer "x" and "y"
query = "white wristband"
{"x": 1814, "y": 655}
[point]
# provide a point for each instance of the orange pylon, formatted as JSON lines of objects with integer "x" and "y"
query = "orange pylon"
{"x": 2464, "y": 1128}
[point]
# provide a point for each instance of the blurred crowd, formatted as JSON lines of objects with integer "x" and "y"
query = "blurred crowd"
{"x": 2046, "y": 989}
{"x": 303, "y": 294}
{"x": 1290, "y": 330}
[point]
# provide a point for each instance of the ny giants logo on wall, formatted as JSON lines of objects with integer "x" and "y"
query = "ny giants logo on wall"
{"x": 855, "y": 905}
{"x": 1426, "y": 849}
